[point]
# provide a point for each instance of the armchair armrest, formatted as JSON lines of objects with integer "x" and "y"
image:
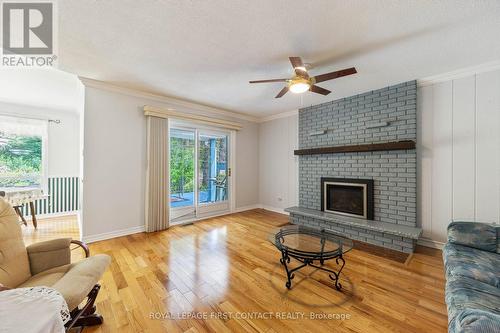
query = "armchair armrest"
{"x": 84, "y": 247}
{"x": 481, "y": 236}
{"x": 49, "y": 254}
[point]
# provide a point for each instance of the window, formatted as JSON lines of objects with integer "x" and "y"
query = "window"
{"x": 22, "y": 156}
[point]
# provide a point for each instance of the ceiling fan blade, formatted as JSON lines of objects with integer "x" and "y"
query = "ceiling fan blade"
{"x": 334, "y": 75}
{"x": 296, "y": 62}
{"x": 282, "y": 92}
{"x": 298, "y": 66}
{"x": 319, "y": 90}
{"x": 266, "y": 81}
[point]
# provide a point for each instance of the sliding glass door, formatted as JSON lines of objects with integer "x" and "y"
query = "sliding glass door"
{"x": 212, "y": 168}
{"x": 199, "y": 172}
{"x": 213, "y": 172}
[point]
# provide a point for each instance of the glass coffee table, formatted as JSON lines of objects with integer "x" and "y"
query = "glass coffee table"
{"x": 308, "y": 245}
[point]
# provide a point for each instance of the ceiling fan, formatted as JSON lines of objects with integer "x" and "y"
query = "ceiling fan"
{"x": 302, "y": 82}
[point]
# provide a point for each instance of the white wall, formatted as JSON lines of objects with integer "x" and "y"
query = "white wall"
{"x": 458, "y": 152}
{"x": 247, "y": 166}
{"x": 278, "y": 167}
{"x": 115, "y": 163}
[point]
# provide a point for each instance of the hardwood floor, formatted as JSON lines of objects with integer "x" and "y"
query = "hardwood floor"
{"x": 51, "y": 228}
{"x": 222, "y": 275}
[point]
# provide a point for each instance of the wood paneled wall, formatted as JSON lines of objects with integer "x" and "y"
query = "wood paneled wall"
{"x": 458, "y": 152}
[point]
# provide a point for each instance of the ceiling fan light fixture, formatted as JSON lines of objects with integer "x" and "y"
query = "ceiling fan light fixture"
{"x": 302, "y": 81}
{"x": 300, "y": 87}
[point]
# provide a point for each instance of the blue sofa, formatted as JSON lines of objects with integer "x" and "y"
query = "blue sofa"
{"x": 472, "y": 262}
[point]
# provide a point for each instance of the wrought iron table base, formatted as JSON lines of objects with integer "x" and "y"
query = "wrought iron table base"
{"x": 285, "y": 259}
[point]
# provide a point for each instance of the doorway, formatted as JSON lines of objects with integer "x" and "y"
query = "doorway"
{"x": 41, "y": 145}
{"x": 200, "y": 172}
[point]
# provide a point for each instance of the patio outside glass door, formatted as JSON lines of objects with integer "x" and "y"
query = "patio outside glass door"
{"x": 199, "y": 171}
{"x": 213, "y": 172}
{"x": 182, "y": 172}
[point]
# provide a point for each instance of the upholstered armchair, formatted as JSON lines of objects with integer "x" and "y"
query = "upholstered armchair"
{"x": 49, "y": 264}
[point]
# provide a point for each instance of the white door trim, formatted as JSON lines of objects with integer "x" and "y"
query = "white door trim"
{"x": 232, "y": 166}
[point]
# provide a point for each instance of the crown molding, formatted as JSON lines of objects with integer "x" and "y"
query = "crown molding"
{"x": 279, "y": 115}
{"x": 170, "y": 101}
{"x": 486, "y": 67}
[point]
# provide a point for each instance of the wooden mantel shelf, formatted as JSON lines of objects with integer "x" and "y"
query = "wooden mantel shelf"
{"x": 396, "y": 145}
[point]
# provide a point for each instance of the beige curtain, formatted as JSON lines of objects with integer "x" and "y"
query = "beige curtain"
{"x": 157, "y": 177}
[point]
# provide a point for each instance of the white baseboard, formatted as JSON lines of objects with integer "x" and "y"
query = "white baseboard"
{"x": 114, "y": 234}
{"x": 124, "y": 232}
{"x": 245, "y": 208}
{"x": 135, "y": 230}
{"x": 274, "y": 209}
{"x": 261, "y": 206}
{"x": 208, "y": 216}
{"x": 430, "y": 243}
{"x": 52, "y": 215}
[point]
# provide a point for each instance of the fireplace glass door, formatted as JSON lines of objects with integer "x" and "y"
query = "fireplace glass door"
{"x": 351, "y": 197}
{"x": 346, "y": 199}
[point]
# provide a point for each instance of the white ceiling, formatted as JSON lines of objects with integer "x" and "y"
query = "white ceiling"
{"x": 206, "y": 51}
{"x": 40, "y": 88}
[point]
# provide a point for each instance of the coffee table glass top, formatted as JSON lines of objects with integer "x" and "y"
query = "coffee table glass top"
{"x": 309, "y": 241}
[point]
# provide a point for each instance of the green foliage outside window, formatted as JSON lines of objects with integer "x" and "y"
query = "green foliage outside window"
{"x": 204, "y": 164}
{"x": 181, "y": 165}
{"x": 205, "y": 161}
{"x": 20, "y": 161}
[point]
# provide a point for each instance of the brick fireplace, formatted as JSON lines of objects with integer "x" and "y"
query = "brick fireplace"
{"x": 376, "y": 117}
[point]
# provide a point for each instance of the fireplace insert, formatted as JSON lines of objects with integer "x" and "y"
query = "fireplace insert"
{"x": 345, "y": 196}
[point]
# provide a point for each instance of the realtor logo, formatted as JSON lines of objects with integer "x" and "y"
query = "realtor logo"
{"x": 28, "y": 33}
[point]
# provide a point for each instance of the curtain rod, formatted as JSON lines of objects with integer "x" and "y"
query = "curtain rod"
{"x": 56, "y": 121}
